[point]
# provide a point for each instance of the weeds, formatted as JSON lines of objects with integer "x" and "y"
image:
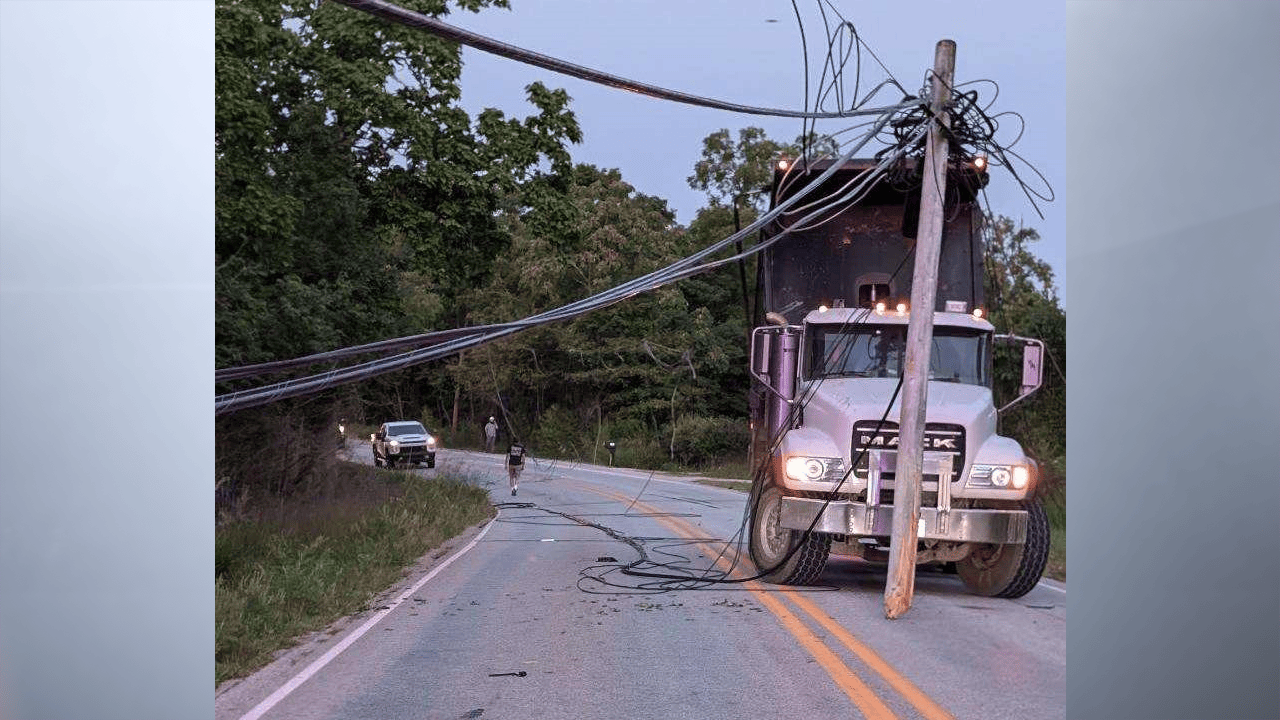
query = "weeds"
{"x": 300, "y": 565}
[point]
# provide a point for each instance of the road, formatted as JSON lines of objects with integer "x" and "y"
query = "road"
{"x": 518, "y": 597}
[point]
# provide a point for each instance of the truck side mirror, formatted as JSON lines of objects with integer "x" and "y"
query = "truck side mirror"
{"x": 1031, "y": 370}
{"x": 759, "y": 353}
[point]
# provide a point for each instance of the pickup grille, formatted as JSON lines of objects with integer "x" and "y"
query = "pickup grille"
{"x": 938, "y": 437}
{"x": 413, "y": 450}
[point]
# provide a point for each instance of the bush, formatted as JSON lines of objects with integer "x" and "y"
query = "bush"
{"x": 559, "y": 434}
{"x": 272, "y": 452}
{"x": 638, "y": 452}
{"x": 701, "y": 441}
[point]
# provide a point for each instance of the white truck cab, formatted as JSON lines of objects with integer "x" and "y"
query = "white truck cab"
{"x": 834, "y": 463}
{"x": 826, "y": 364}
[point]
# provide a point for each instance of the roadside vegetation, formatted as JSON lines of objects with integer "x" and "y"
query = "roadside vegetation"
{"x": 295, "y": 566}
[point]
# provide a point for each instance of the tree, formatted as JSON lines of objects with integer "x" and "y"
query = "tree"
{"x": 637, "y": 367}
{"x": 1019, "y": 288}
{"x": 355, "y": 199}
{"x": 741, "y": 169}
{"x": 344, "y": 157}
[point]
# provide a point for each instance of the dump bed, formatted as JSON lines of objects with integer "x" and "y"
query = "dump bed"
{"x": 859, "y": 252}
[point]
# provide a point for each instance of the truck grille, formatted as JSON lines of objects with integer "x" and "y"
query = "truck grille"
{"x": 938, "y": 437}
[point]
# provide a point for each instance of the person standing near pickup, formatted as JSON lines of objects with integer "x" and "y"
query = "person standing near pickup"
{"x": 490, "y": 434}
{"x": 515, "y": 464}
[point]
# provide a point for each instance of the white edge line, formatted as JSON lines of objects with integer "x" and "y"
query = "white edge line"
{"x": 1052, "y": 587}
{"x": 271, "y": 700}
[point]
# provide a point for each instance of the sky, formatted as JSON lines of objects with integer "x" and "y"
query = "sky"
{"x": 729, "y": 50}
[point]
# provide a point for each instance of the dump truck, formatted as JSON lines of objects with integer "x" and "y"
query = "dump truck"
{"x": 826, "y": 359}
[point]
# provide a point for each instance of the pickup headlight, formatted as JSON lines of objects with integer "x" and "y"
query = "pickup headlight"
{"x": 394, "y": 445}
{"x": 814, "y": 469}
{"x": 431, "y": 442}
{"x": 1000, "y": 476}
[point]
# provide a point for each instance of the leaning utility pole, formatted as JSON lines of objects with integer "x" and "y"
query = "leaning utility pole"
{"x": 915, "y": 382}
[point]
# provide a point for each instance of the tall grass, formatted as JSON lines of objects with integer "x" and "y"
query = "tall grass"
{"x": 298, "y": 565}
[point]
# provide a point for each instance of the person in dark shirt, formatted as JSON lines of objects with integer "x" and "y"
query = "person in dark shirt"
{"x": 515, "y": 464}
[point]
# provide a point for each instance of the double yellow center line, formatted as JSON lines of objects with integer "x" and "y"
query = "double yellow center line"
{"x": 862, "y": 696}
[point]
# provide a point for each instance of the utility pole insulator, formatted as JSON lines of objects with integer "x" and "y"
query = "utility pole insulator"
{"x": 900, "y": 583}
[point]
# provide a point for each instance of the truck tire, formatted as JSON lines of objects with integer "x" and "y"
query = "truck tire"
{"x": 431, "y": 460}
{"x": 1009, "y": 571}
{"x": 769, "y": 544}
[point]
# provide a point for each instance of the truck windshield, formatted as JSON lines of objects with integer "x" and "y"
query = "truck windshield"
{"x": 958, "y": 355}
{"x": 414, "y": 429}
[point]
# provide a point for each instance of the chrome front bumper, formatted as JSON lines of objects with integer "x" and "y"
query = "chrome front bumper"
{"x": 845, "y": 517}
{"x": 871, "y": 519}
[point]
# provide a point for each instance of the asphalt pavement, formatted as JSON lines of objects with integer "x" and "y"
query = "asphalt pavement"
{"x": 530, "y": 616}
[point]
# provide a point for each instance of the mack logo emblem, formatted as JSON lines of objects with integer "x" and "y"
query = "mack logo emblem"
{"x": 935, "y": 443}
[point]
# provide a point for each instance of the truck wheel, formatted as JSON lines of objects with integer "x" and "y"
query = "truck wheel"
{"x": 390, "y": 463}
{"x": 1009, "y": 571}
{"x": 376, "y": 461}
{"x": 770, "y": 543}
{"x": 431, "y": 461}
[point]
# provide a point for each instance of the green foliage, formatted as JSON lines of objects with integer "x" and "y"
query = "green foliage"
{"x": 559, "y": 433}
{"x": 1019, "y": 288}
{"x": 728, "y": 168}
{"x": 699, "y": 441}
{"x": 636, "y": 365}
{"x": 732, "y": 172}
{"x": 355, "y": 199}
{"x": 301, "y": 567}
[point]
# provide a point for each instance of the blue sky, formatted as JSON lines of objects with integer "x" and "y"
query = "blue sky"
{"x": 728, "y": 49}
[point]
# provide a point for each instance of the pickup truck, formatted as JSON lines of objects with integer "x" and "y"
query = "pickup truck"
{"x": 403, "y": 441}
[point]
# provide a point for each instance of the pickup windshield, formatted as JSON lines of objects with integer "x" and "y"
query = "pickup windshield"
{"x": 958, "y": 355}
{"x": 414, "y": 429}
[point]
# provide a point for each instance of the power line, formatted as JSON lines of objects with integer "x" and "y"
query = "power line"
{"x": 409, "y": 18}
{"x": 470, "y": 337}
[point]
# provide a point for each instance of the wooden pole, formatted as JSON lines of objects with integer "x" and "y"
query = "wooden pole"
{"x": 915, "y": 384}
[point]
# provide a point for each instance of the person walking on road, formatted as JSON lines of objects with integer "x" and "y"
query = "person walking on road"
{"x": 490, "y": 434}
{"x": 515, "y": 464}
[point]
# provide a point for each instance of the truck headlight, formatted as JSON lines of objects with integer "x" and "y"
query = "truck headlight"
{"x": 431, "y": 442}
{"x": 814, "y": 469}
{"x": 1014, "y": 477}
{"x": 395, "y": 446}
